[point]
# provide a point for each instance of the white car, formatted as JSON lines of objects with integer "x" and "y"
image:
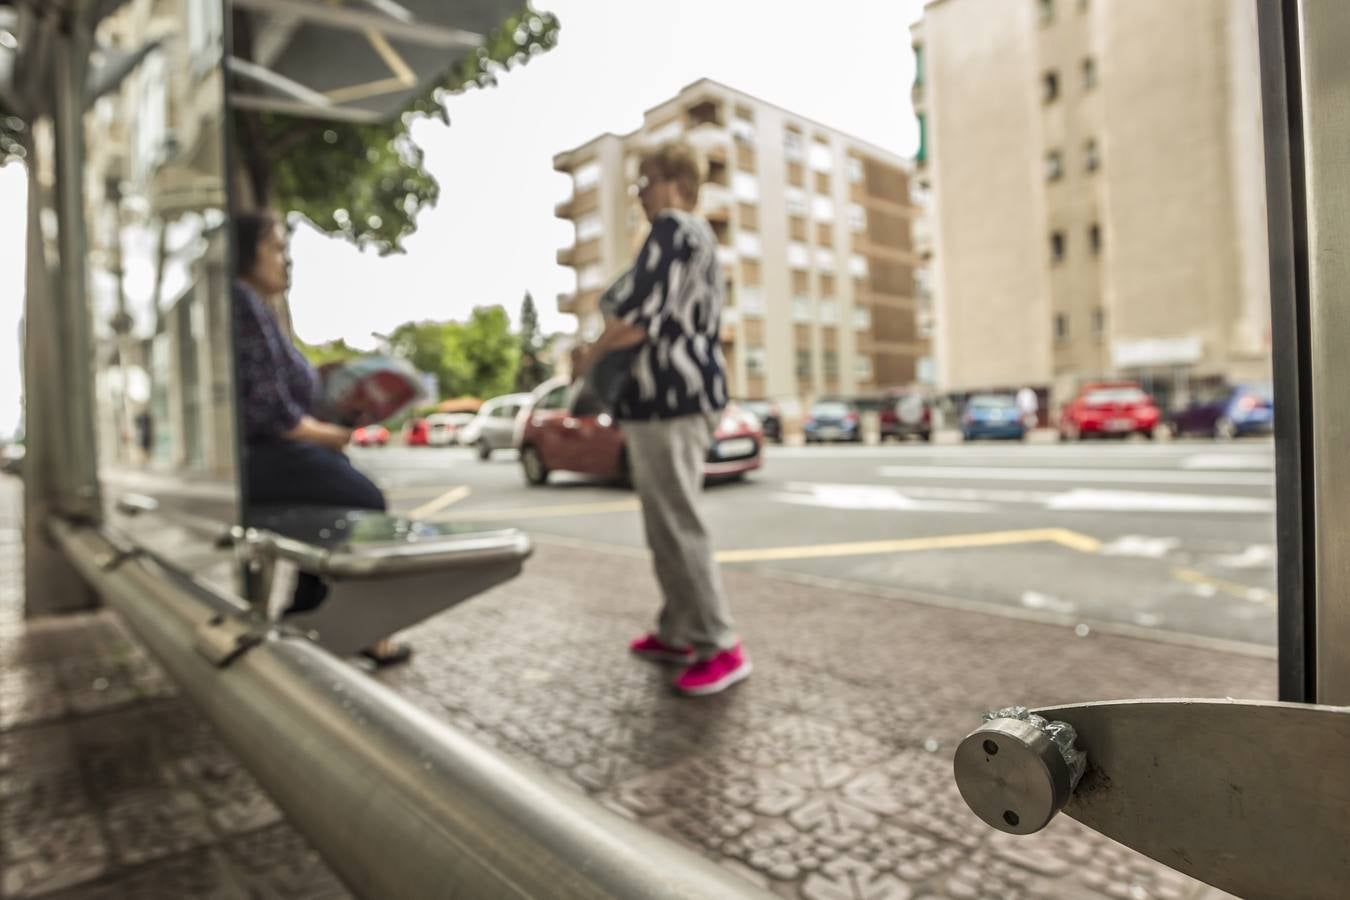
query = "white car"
{"x": 494, "y": 428}
{"x": 443, "y": 428}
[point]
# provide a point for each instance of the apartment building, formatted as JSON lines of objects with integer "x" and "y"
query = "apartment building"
{"x": 1098, "y": 198}
{"x": 815, "y": 232}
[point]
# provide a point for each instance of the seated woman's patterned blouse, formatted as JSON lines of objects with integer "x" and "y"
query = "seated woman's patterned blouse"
{"x": 277, "y": 385}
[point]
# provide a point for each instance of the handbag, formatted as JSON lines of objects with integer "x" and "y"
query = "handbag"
{"x": 609, "y": 378}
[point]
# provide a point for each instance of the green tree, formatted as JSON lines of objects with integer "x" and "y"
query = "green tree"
{"x": 534, "y": 367}
{"x": 366, "y": 181}
{"x": 476, "y": 358}
{"x": 333, "y": 351}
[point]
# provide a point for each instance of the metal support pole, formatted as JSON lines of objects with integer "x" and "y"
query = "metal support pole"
{"x": 399, "y": 804}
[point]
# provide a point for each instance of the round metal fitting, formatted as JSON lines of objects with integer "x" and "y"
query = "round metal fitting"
{"x": 1012, "y": 775}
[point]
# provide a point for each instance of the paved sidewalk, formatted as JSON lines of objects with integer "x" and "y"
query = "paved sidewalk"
{"x": 826, "y": 776}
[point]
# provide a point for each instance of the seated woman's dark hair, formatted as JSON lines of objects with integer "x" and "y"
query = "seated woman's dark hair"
{"x": 249, "y": 229}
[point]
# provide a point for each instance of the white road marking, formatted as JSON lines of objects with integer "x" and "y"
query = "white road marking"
{"x": 882, "y": 498}
{"x": 1036, "y": 600}
{"x": 1141, "y": 547}
{"x": 1078, "y": 475}
{"x": 1089, "y": 500}
{"x": 1257, "y": 556}
{"x": 869, "y": 497}
{"x": 1262, "y": 462}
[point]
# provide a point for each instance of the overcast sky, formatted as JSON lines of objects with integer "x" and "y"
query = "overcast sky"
{"x": 846, "y": 64}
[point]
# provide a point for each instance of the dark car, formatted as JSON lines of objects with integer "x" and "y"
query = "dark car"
{"x": 907, "y": 414}
{"x": 769, "y": 415}
{"x": 1227, "y": 412}
{"x": 833, "y": 420}
{"x": 995, "y": 416}
{"x": 1118, "y": 409}
{"x": 566, "y": 431}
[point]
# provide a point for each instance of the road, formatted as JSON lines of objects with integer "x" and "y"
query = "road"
{"x": 1171, "y": 538}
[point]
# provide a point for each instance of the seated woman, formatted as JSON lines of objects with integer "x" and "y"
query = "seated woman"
{"x": 290, "y": 457}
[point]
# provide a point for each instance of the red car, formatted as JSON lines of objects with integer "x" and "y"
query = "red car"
{"x": 371, "y": 436}
{"x": 1118, "y": 408}
{"x": 415, "y": 433}
{"x": 561, "y": 434}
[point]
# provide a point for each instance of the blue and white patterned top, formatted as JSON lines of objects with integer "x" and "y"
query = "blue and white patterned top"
{"x": 277, "y": 385}
{"x": 675, "y": 293}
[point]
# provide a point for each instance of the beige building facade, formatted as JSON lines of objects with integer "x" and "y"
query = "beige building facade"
{"x": 1097, "y": 205}
{"x": 815, "y": 230}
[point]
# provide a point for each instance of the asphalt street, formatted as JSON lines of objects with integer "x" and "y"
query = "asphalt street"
{"x": 1172, "y": 538}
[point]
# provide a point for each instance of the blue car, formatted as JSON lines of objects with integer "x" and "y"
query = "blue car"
{"x": 1227, "y": 412}
{"x": 832, "y": 420}
{"x": 994, "y": 416}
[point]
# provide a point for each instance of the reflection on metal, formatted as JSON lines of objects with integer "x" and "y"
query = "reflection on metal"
{"x": 1324, "y": 32}
{"x": 398, "y": 803}
{"x": 1250, "y": 797}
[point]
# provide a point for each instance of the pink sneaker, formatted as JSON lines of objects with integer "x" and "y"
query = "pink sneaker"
{"x": 649, "y": 646}
{"x": 713, "y": 675}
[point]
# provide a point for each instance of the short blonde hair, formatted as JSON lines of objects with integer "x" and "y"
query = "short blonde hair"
{"x": 677, "y": 162}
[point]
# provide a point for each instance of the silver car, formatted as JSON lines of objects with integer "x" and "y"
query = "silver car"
{"x": 494, "y": 428}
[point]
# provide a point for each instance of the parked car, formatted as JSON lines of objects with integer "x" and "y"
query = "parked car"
{"x": 832, "y": 420}
{"x": 1109, "y": 409}
{"x": 415, "y": 433}
{"x": 564, "y": 431}
{"x": 494, "y": 427}
{"x": 769, "y": 415}
{"x": 1227, "y": 412}
{"x": 994, "y": 416}
{"x": 907, "y": 414}
{"x": 443, "y": 428}
{"x": 371, "y": 436}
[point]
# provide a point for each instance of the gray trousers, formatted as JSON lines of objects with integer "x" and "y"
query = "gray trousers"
{"x": 666, "y": 458}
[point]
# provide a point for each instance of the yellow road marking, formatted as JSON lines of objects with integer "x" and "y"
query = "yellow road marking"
{"x": 450, "y": 497}
{"x": 544, "y": 512}
{"x": 1232, "y": 588}
{"x": 1071, "y": 539}
{"x": 407, "y": 492}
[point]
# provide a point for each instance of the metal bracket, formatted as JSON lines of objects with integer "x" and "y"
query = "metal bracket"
{"x": 225, "y": 638}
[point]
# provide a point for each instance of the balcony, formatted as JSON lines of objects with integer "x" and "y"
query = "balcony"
{"x": 580, "y": 254}
{"x": 579, "y": 303}
{"x": 710, "y": 139}
{"x": 714, "y": 200}
{"x": 727, "y": 257}
{"x": 564, "y": 209}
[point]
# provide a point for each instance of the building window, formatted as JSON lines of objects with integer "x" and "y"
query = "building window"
{"x": 792, "y": 146}
{"x": 750, "y": 301}
{"x": 799, "y": 256}
{"x": 670, "y": 131}
{"x": 586, "y": 177}
{"x": 857, "y": 218}
{"x": 1050, "y": 86}
{"x": 862, "y": 367}
{"x": 590, "y": 278}
{"x": 855, "y": 170}
{"x": 822, "y": 208}
{"x": 857, "y": 266}
{"x": 824, "y": 260}
{"x": 801, "y": 309}
{"x": 1061, "y": 327}
{"x": 831, "y": 365}
{"x": 862, "y": 318}
{"x": 747, "y": 243}
{"x": 797, "y": 204}
{"x": 745, "y": 187}
{"x": 743, "y": 126}
{"x": 803, "y": 364}
{"x": 755, "y": 360}
{"x": 1092, "y": 158}
{"x": 1089, "y": 73}
{"x": 822, "y": 158}
{"x": 1098, "y": 322}
{"x": 1047, "y": 11}
{"x": 829, "y": 312}
{"x": 1054, "y": 165}
{"x": 1057, "y": 246}
{"x": 918, "y": 65}
{"x": 1095, "y": 238}
{"x": 589, "y": 227}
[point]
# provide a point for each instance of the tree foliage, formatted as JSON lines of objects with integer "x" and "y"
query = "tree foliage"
{"x": 476, "y": 358}
{"x": 365, "y": 182}
{"x": 333, "y": 351}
